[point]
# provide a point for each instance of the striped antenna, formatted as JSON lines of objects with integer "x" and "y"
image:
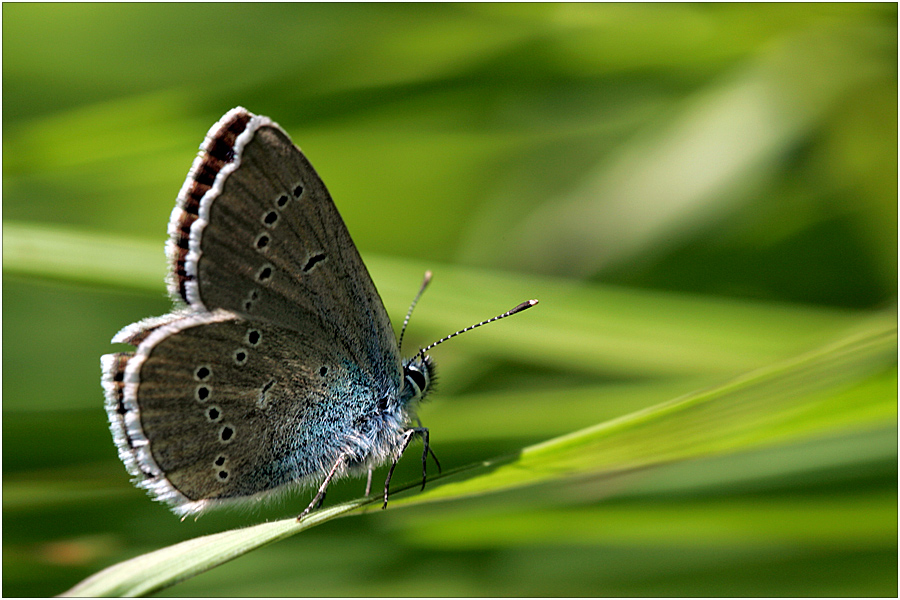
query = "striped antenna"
{"x": 518, "y": 309}
{"x": 415, "y": 301}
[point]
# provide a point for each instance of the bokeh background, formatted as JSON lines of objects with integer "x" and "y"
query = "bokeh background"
{"x": 713, "y": 170}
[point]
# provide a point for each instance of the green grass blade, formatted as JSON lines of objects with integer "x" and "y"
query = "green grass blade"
{"x": 160, "y": 569}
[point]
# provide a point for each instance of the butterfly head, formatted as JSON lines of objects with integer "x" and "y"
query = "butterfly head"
{"x": 418, "y": 375}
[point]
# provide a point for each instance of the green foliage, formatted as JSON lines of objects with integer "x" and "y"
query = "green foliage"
{"x": 703, "y": 197}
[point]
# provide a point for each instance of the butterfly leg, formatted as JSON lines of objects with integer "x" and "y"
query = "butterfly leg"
{"x": 428, "y": 450}
{"x": 407, "y": 437}
{"x": 423, "y": 431}
{"x": 320, "y": 495}
{"x": 369, "y": 483}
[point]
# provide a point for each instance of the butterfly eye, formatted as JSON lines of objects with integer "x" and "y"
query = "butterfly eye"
{"x": 417, "y": 378}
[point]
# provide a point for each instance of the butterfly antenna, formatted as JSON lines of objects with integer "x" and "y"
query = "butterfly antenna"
{"x": 415, "y": 301}
{"x": 518, "y": 309}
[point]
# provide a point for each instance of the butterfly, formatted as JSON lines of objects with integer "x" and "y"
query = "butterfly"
{"x": 279, "y": 365}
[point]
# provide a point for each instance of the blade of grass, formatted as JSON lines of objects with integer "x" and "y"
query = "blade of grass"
{"x": 162, "y": 568}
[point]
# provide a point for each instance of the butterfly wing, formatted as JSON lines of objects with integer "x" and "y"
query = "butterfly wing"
{"x": 255, "y": 231}
{"x": 211, "y": 407}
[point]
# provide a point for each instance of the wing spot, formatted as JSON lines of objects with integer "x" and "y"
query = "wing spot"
{"x": 202, "y": 393}
{"x": 317, "y": 258}
{"x": 202, "y": 373}
{"x": 262, "y": 242}
{"x": 226, "y": 434}
{"x": 298, "y": 191}
{"x": 220, "y": 460}
{"x": 270, "y": 219}
{"x": 282, "y": 201}
{"x": 263, "y": 399}
{"x": 213, "y": 413}
{"x": 240, "y": 357}
{"x": 264, "y": 274}
{"x": 252, "y": 297}
{"x": 254, "y": 337}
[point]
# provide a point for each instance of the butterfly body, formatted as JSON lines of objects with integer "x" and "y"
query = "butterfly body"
{"x": 280, "y": 366}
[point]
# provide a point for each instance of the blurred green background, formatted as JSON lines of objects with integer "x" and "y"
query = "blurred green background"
{"x": 692, "y": 191}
